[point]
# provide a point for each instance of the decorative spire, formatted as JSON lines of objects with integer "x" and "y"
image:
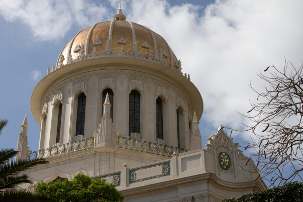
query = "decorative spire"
{"x": 106, "y": 106}
{"x": 24, "y": 123}
{"x": 22, "y": 145}
{"x": 119, "y": 15}
{"x": 196, "y": 136}
{"x": 120, "y": 4}
{"x": 107, "y": 101}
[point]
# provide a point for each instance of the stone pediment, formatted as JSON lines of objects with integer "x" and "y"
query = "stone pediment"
{"x": 225, "y": 158}
{"x": 221, "y": 139}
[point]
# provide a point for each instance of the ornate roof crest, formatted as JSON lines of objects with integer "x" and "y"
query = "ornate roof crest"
{"x": 221, "y": 139}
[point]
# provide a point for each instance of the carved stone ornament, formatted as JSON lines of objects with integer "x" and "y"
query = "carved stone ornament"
{"x": 44, "y": 108}
{"x": 57, "y": 98}
{"x": 78, "y": 48}
{"x": 122, "y": 41}
{"x": 224, "y": 160}
{"x": 221, "y": 140}
{"x": 61, "y": 60}
{"x": 145, "y": 45}
{"x": 98, "y": 42}
{"x": 178, "y": 64}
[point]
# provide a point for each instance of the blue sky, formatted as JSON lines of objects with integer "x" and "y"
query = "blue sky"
{"x": 223, "y": 45}
{"x": 22, "y": 54}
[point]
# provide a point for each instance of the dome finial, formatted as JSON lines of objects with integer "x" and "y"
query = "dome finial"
{"x": 119, "y": 15}
{"x": 120, "y": 5}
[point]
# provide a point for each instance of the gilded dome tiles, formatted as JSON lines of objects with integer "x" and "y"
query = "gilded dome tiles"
{"x": 118, "y": 37}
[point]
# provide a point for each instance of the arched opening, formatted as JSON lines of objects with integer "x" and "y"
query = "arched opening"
{"x": 80, "y": 121}
{"x": 134, "y": 112}
{"x": 111, "y": 99}
{"x": 159, "y": 118}
{"x": 59, "y": 118}
{"x": 180, "y": 128}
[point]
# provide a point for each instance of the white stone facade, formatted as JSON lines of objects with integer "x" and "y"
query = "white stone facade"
{"x": 121, "y": 82}
{"x": 142, "y": 166}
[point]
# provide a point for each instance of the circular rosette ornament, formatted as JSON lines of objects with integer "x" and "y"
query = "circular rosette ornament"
{"x": 224, "y": 160}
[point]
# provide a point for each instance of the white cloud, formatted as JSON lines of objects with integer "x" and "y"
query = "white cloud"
{"x": 51, "y": 19}
{"x": 223, "y": 49}
{"x": 35, "y": 75}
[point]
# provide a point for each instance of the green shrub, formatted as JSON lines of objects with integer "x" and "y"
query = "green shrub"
{"x": 292, "y": 192}
{"x": 80, "y": 189}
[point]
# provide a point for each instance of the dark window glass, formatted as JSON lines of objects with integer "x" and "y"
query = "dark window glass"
{"x": 80, "y": 122}
{"x": 159, "y": 118}
{"x": 134, "y": 112}
{"x": 59, "y": 122}
{"x": 179, "y": 115}
{"x": 111, "y": 99}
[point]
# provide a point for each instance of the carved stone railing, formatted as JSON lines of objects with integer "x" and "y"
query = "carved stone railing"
{"x": 59, "y": 149}
{"x": 148, "y": 147}
{"x": 148, "y": 172}
{"x": 113, "y": 178}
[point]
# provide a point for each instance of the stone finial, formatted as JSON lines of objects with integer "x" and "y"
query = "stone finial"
{"x": 106, "y": 106}
{"x": 25, "y": 122}
{"x": 22, "y": 145}
{"x": 120, "y": 15}
{"x": 104, "y": 136}
{"x": 196, "y": 136}
{"x": 106, "y": 101}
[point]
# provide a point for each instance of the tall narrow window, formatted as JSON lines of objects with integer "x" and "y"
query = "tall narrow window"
{"x": 111, "y": 99}
{"x": 159, "y": 118}
{"x": 134, "y": 112}
{"x": 80, "y": 122}
{"x": 179, "y": 127}
{"x": 59, "y": 122}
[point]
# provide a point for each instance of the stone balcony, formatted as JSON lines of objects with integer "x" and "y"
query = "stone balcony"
{"x": 87, "y": 144}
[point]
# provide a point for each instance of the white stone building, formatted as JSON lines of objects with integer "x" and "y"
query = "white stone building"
{"x": 118, "y": 106}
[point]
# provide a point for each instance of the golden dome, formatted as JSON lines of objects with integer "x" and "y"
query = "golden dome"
{"x": 118, "y": 37}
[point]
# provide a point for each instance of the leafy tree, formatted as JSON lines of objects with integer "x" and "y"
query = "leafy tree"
{"x": 275, "y": 120}
{"x": 80, "y": 189}
{"x": 289, "y": 192}
{"x": 10, "y": 169}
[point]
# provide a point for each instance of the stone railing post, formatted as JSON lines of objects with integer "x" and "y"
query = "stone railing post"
{"x": 174, "y": 165}
{"x": 124, "y": 176}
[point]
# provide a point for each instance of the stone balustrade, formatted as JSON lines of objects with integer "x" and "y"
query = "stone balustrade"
{"x": 59, "y": 149}
{"x": 122, "y": 142}
{"x": 147, "y": 147}
{"x": 178, "y": 166}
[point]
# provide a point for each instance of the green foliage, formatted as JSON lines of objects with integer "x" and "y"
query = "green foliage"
{"x": 80, "y": 189}
{"x": 2, "y": 124}
{"x": 9, "y": 168}
{"x": 292, "y": 192}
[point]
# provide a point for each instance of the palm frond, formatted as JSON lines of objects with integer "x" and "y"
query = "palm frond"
{"x": 2, "y": 124}
{"x": 13, "y": 167}
{"x": 12, "y": 181}
{"x": 6, "y": 154}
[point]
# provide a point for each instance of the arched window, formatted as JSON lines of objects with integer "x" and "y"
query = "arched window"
{"x": 111, "y": 99}
{"x": 159, "y": 118}
{"x": 180, "y": 132}
{"x": 134, "y": 112}
{"x": 59, "y": 122}
{"x": 80, "y": 122}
